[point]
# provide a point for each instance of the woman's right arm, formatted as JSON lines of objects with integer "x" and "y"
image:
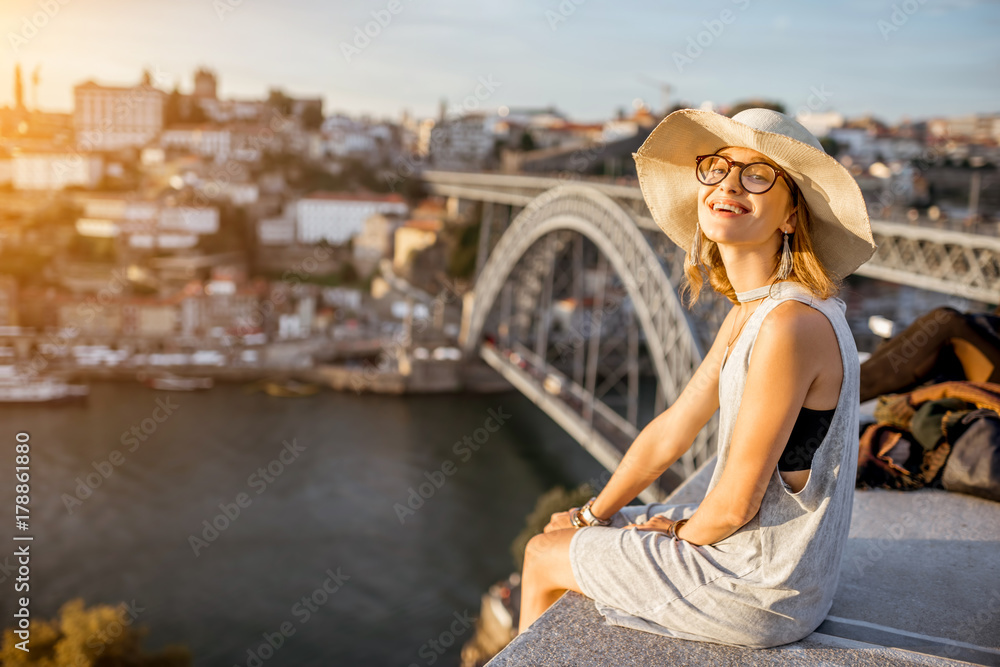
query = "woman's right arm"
{"x": 665, "y": 439}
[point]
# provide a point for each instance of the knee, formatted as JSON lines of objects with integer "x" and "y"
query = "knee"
{"x": 534, "y": 551}
{"x": 948, "y": 318}
{"x": 541, "y": 551}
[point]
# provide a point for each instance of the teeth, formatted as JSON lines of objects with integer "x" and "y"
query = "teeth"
{"x": 727, "y": 207}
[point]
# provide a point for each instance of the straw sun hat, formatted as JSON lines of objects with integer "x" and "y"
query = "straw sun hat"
{"x": 840, "y": 231}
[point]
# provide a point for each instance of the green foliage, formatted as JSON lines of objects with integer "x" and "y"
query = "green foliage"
{"x": 345, "y": 276}
{"x": 312, "y": 178}
{"x": 366, "y": 284}
{"x": 93, "y": 249}
{"x": 831, "y": 146}
{"x": 60, "y": 212}
{"x": 102, "y": 636}
{"x": 550, "y": 502}
{"x": 348, "y": 274}
{"x": 527, "y": 142}
{"x": 462, "y": 263}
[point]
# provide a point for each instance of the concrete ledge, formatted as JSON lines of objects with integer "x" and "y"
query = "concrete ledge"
{"x": 573, "y": 634}
{"x": 919, "y": 585}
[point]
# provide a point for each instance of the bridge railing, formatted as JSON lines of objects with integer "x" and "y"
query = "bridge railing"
{"x": 942, "y": 260}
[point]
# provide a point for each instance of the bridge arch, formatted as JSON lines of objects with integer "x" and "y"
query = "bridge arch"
{"x": 673, "y": 345}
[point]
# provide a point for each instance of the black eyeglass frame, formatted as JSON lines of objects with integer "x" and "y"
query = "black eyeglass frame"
{"x": 743, "y": 165}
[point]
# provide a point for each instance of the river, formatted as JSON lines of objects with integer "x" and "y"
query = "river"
{"x": 316, "y": 503}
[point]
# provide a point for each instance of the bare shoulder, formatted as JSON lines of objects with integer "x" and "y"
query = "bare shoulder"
{"x": 795, "y": 317}
{"x": 805, "y": 337}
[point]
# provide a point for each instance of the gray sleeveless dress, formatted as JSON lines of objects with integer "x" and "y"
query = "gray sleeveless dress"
{"x": 772, "y": 581}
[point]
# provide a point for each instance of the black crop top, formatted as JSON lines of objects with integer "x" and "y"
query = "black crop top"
{"x": 808, "y": 432}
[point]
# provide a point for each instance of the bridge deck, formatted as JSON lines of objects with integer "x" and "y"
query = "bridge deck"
{"x": 919, "y": 585}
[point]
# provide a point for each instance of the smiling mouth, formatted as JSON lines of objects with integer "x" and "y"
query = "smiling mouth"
{"x": 727, "y": 209}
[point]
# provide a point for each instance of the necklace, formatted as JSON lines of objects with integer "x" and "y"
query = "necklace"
{"x": 740, "y": 330}
{"x": 753, "y": 294}
{"x": 744, "y": 297}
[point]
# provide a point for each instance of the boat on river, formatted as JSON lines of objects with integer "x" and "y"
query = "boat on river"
{"x": 171, "y": 382}
{"x": 284, "y": 388}
{"x": 18, "y": 387}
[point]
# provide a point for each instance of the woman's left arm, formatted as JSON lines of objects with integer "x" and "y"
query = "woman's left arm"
{"x": 783, "y": 365}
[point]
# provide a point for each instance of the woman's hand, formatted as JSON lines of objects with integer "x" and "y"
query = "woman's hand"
{"x": 657, "y": 523}
{"x": 560, "y": 520}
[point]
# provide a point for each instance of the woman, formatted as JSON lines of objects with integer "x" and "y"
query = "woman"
{"x": 774, "y": 223}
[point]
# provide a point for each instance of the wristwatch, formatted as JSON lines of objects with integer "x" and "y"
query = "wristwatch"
{"x": 585, "y": 517}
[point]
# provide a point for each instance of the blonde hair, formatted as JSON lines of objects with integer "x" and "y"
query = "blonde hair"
{"x": 806, "y": 266}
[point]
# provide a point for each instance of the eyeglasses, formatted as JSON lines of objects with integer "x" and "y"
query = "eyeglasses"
{"x": 756, "y": 177}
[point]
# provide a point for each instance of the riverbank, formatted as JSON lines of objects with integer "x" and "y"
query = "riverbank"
{"x": 414, "y": 376}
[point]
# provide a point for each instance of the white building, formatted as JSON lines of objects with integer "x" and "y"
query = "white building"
{"x": 152, "y": 156}
{"x": 466, "y": 142}
{"x": 276, "y": 231}
{"x": 337, "y": 217}
{"x": 375, "y": 240}
{"x": 241, "y": 194}
{"x": 54, "y": 170}
{"x": 230, "y": 111}
{"x": 110, "y": 118}
{"x": 348, "y": 298}
{"x": 121, "y": 212}
{"x": 858, "y": 142}
{"x": 199, "y": 139}
{"x": 190, "y": 219}
{"x": 166, "y": 241}
{"x": 342, "y": 136}
{"x": 977, "y": 128}
{"x": 290, "y": 326}
{"x": 820, "y": 122}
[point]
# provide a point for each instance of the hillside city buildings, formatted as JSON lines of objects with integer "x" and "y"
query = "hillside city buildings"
{"x": 155, "y": 221}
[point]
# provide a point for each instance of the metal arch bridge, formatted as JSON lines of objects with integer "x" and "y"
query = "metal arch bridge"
{"x": 572, "y": 275}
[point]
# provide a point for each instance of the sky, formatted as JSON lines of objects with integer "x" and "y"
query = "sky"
{"x": 907, "y": 59}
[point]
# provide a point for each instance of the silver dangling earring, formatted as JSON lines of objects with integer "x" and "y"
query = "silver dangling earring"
{"x": 785, "y": 267}
{"x": 696, "y": 247}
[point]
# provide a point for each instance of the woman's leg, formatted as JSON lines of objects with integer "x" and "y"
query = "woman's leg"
{"x": 977, "y": 363}
{"x": 901, "y": 363}
{"x": 547, "y": 574}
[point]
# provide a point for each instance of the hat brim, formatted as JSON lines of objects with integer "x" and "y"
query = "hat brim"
{"x": 840, "y": 232}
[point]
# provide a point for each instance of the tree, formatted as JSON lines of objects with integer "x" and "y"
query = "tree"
{"x": 348, "y": 274}
{"x": 527, "y": 141}
{"x": 101, "y": 635}
{"x": 831, "y": 146}
{"x": 462, "y": 262}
